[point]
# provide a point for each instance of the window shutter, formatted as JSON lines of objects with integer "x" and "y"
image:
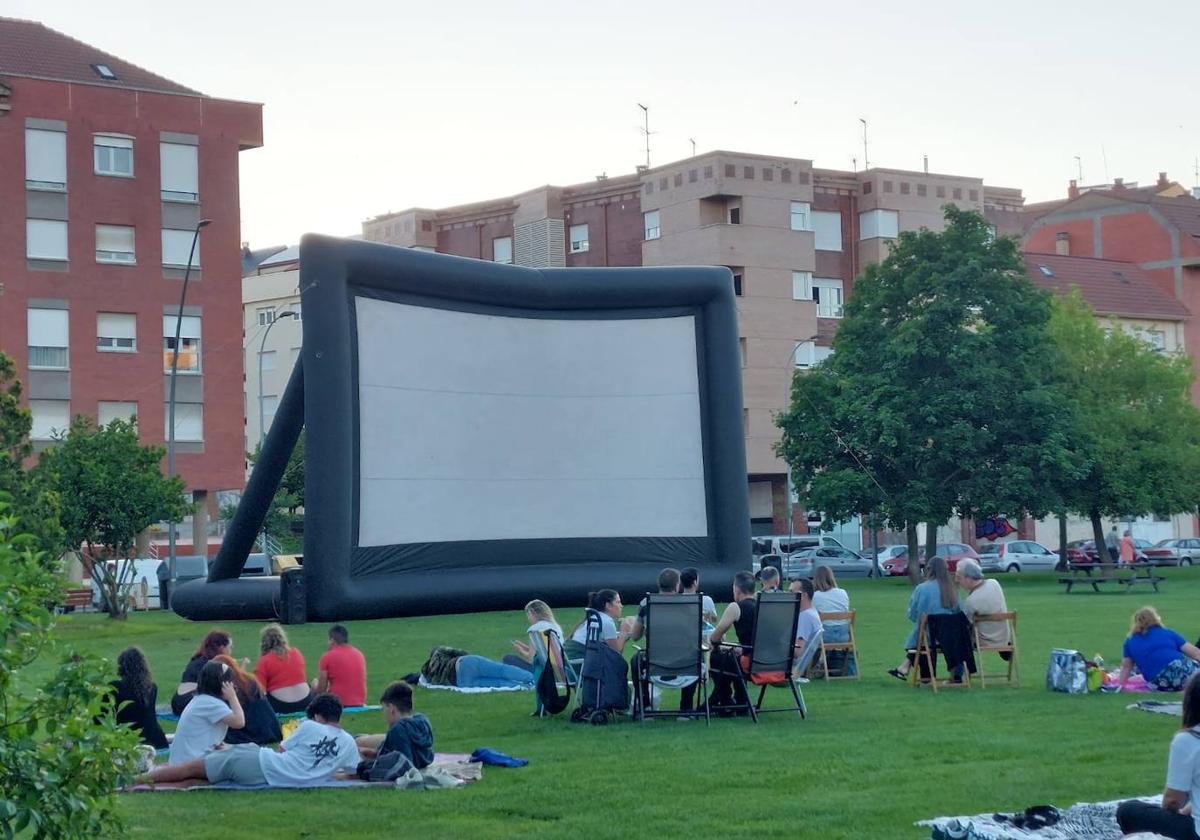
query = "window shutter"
{"x": 47, "y": 327}
{"x": 45, "y": 239}
{"x": 802, "y": 285}
{"x": 116, "y": 325}
{"x": 114, "y": 238}
{"x": 178, "y": 171}
{"x": 46, "y": 157}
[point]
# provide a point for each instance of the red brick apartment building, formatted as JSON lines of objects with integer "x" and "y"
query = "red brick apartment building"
{"x": 105, "y": 171}
{"x": 793, "y": 235}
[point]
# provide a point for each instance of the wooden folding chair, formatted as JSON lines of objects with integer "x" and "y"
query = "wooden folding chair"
{"x": 1013, "y": 675}
{"x": 926, "y": 660}
{"x": 850, "y": 648}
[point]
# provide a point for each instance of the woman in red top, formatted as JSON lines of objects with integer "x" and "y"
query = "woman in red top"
{"x": 280, "y": 671}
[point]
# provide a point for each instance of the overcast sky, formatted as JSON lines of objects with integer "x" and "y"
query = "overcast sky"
{"x": 373, "y": 106}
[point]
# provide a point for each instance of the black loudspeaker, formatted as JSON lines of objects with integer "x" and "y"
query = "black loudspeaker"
{"x": 294, "y": 596}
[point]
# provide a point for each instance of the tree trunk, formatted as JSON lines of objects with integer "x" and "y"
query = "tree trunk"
{"x": 910, "y": 533}
{"x": 1063, "y": 562}
{"x": 930, "y": 542}
{"x": 1102, "y": 553}
{"x": 875, "y": 570}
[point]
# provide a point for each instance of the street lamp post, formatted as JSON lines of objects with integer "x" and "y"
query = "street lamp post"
{"x": 203, "y": 223}
{"x": 262, "y": 422}
{"x": 787, "y": 400}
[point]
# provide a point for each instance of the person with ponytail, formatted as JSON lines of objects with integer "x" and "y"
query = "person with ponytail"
{"x": 261, "y": 726}
{"x": 281, "y": 672}
{"x": 607, "y": 604}
{"x": 214, "y": 643}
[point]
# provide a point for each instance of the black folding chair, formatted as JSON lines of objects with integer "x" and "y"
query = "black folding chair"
{"x": 773, "y": 655}
{"x": 674, "y": 654}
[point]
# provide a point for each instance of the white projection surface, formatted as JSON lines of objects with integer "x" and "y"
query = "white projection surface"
{"x": 485, "y": 427}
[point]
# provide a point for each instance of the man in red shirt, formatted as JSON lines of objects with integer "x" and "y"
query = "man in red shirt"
{"x": 342, "y": 670}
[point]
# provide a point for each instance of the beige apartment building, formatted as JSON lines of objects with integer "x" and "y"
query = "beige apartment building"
{"x": 271, "y": 334}
{"x": 794, "y": 238}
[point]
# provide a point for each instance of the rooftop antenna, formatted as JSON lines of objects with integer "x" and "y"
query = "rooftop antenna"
{"x": 926, "y": 164}
{"x": 1079, "y": 163}
{"x": 1196, "y": 171}
{"x": 866, "y": 157}
{"x": 693, "y": 142}
{"x": 646, "y": 130}
{"x": 854, "y": 163}
{"x": 1104, "y": 157}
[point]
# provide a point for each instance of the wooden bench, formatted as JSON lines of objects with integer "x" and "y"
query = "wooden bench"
{"x": 1127, "y": 576}
{"x": 77, "y": 599}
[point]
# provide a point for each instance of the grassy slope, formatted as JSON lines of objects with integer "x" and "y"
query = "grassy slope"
{"x": 873, "y": 756}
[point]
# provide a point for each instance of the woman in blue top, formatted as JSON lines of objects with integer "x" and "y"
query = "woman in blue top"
{"x": 1165, "y": 659}
{"x": 936, "y": 596}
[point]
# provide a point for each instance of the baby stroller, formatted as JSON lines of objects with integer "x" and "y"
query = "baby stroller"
{"x": 603, "y": 686}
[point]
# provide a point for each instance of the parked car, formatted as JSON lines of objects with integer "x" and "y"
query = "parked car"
{"x": 785, "y": 544}
{"x": 842, "y": 561}
{"x": 953, "y": 552}
{"x": 1083, "y": 552}
{"x": 891, "y": 552}
{"x": 1016, "y": 556}
{"x": 1175, "y": 552}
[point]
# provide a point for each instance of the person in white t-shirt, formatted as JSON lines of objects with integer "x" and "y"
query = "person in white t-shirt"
{"x": 529, "y": 655}
{"x": 607, "y": 604}
{"x": 689, "y": 584}
{"x": 809, "y": 623}
{"x": 211, "y": 713}
{"x": 1177, "y": 817}
{"x": 831, "y": 598}
{"x": 319, "y": 750}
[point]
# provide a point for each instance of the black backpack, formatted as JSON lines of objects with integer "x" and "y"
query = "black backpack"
{"x": 555, "y": 669}
{"x": 384, "y": 768}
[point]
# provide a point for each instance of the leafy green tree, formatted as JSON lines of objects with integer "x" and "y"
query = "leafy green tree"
{"x": 111, "y": 489}
{"x": 35, "y": 503}
{"x": 284, "y": 518}
{"x": 61, "y": 754}
{"x": 1136, "y": 421}
{"x": 935, "y": 401}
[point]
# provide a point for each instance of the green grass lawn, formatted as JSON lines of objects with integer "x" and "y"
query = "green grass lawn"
{"x": 872, "y": 757}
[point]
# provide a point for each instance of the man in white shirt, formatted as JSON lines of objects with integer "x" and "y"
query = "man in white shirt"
{"x": 317, "y": 751}
{"x": 984, "y": 597}
{"x": 689, "y": 584}
{"x": 810, "y": 620}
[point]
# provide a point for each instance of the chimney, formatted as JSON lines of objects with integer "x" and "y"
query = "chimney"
{"x": 1162, "y": 180}
{"x": 1118, "y": 183}
{"x": 1062, "y": 243}
{"x": 1073, "y": 190}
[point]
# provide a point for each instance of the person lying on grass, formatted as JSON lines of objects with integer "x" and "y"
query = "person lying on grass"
{"x": 319, "y": 750}
{"x": 407, "y": 733}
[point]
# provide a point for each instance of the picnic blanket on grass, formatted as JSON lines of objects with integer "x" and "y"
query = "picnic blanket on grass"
{"x": 165, "y": 713}
{"x": 1082, "y": 821}
{"x": 1162, "y": 707}
{"x": 447, "y": 770}
{"x": 425, "y": 684}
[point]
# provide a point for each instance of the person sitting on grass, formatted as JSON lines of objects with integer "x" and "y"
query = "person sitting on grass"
{"x": 319, "y": 750}
{"x": 280, "y": 671}
{"x": 1165, "y": 658}
{"x": 1178, "y": 817}
{"x": 214, "y": 643}
{"x": 134, "y": 697}
{"x": 936, "y": 596}
{"x": 261, "y": 726}
{"x": 408, "y": 733}
{"x": 984, "y": 597}
{"x": 342, "y": 670}
{"x": 213, "y": 711}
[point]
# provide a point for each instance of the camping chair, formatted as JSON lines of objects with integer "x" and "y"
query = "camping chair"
{"x": 674, "y": 654}
{"x": 549, "y": 655}
{"x": 933, "y": 632}
{"x": 1013, "y": 675}
{"x": 772, "y": 658}
{"x": 849, "y": 648}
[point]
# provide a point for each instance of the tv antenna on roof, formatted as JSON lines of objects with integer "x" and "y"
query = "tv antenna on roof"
{"x": 1079, "y": 163}
{"x": 646, "y": 130}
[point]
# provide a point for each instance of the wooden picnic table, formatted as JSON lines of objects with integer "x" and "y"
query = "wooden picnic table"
{"x": 1124, "y": 574}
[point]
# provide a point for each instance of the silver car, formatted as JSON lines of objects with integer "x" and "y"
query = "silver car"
{"x": 1016, "y": 556}
{"x": 1175, "y": 552}
{"x": 842, "y": 562}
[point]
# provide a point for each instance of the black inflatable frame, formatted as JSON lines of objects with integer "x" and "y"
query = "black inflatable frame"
{"x": 348, "y": 581}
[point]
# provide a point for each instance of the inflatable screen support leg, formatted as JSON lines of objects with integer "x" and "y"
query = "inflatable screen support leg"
{"x": 250, "y": 598}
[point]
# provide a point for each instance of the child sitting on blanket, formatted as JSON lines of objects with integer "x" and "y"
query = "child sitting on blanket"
{"x": 318, "y": 751}
{"x": 407, "y": 733}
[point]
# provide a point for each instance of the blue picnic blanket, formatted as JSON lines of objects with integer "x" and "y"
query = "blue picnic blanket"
{"x": 165, "y": 713}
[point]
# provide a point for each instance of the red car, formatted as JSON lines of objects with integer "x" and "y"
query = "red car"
{"x": 953, "y": 552}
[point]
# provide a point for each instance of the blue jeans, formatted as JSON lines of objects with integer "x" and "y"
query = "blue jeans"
{"x": 481, "y": 672}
